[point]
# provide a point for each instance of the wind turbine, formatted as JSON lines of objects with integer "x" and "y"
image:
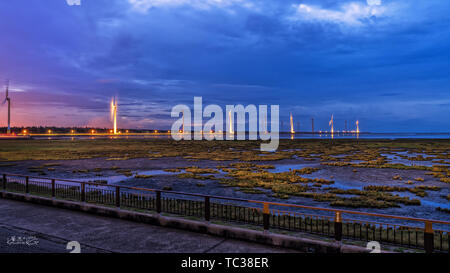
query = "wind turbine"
{"x": 231, "y": 124}
{"x": 7, "y": 99}
{"x": 331, "y": 123}
{"x": 114, "y": 113}
{"x": 182, "y": 130}
{"x": 292, "y": 124}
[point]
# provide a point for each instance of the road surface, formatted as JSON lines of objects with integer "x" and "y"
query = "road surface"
{"x": 30, "y": 228}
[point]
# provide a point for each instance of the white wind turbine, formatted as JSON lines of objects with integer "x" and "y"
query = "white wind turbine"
{"x": 8, "y": 99}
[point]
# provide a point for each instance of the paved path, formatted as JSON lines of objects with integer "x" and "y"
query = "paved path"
{"x": 37, "y": 228}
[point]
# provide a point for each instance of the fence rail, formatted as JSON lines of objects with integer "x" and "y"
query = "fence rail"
{"x": 326, "y": 221}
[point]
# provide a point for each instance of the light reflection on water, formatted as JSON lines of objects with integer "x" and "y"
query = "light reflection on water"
{"x": 396, "y": 159}
{"x": 114, "y": 179}
{"x": 429, "y": 203}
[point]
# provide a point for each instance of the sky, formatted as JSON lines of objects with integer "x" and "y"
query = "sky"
{"x": 382, "y": 62}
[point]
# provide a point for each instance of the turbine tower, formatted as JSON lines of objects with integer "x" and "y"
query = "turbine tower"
{"x": 231, "y": 124}
{"x": 7, "y": 99}
{"x": 331, "y": 123}
{"x": 265, "y": 125}
{"x": 182, "y": 128}
{"x": 114, "y": 113}
{"x": 292, "y": 124}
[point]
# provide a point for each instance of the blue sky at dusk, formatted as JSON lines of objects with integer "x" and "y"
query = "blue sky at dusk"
{"x": 384, "y": 62}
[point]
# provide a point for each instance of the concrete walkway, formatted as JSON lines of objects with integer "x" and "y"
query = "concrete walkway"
{"x": 28, "y": 228}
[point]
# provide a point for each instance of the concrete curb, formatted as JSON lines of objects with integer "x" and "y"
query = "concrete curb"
{"x": 302, "y": 244}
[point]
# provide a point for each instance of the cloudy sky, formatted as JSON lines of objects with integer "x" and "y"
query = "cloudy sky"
{"x": 384, "y": 62}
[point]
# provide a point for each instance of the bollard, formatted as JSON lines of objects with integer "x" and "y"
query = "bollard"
{"x": 83, "y": 192}
{"x": 266, "y": 217}
{"x": 53, "y": 188}
{"x": 428, "y": 237}
{"x": 27, "y": 187}
{"x": 158, "y": 201}
{"x": 338, "y": 226}
{"x": 4, "y": 181}
{"x": 117, "y": 196}
{"x": 207, "y": 208}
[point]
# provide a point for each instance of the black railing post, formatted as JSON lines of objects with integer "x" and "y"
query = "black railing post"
{"x": 53, "y": 188}
{"x": 428, "y": 237}
{"x": 338, "y": 226}
{"x": 27, "y": 182}
{"x": 207, "y": 208}
{"x": 4, "y": 181}
{"x": 83, "y": 192}
{"x": 158, "y": 201}
{"x": 266, "y": 217}
{"x": 117, "y": 196}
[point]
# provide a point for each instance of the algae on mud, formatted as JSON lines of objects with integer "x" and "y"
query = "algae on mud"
{"x": 244, "y": 167}
{"x": 327, "y": 150}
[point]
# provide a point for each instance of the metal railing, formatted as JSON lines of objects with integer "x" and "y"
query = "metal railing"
{"x": 388, "y": 229}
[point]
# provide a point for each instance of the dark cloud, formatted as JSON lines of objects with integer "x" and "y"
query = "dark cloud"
{"x": 79, "y": 57}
